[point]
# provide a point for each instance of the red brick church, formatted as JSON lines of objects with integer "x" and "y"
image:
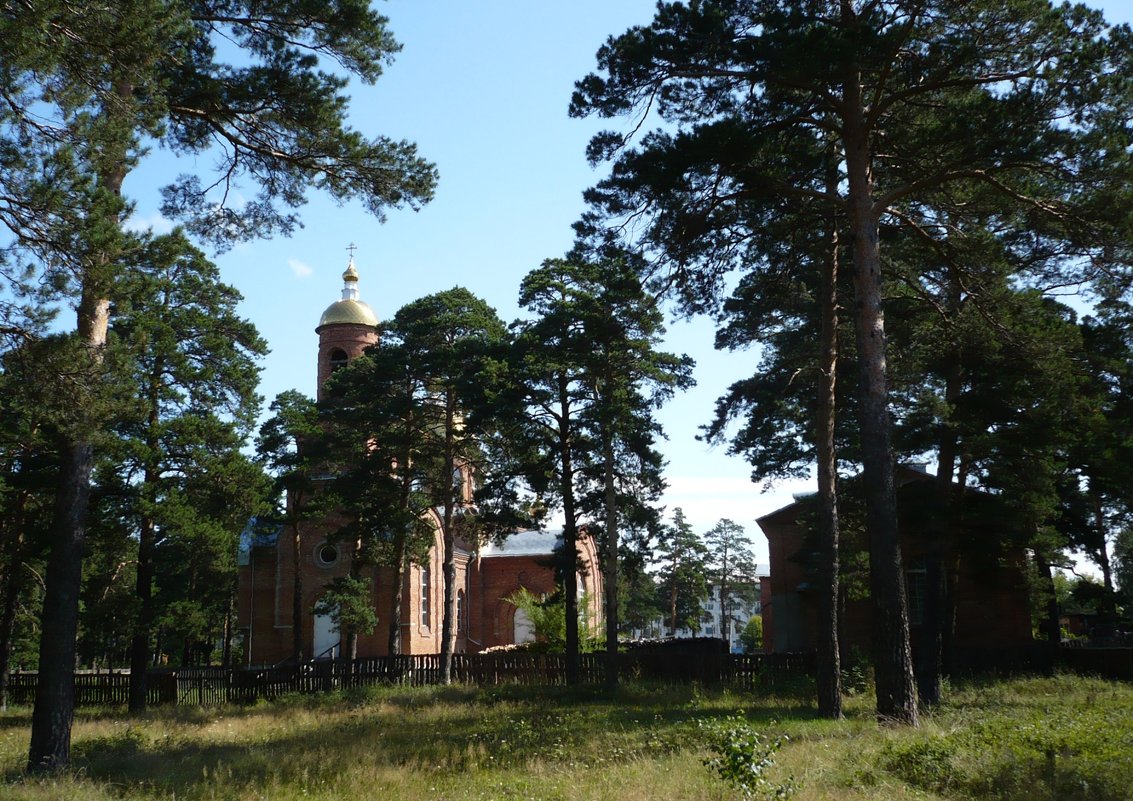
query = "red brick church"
{"x": 486, "y": 574}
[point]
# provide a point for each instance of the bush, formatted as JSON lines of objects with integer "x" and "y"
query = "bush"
{"x": 741, "y": 756}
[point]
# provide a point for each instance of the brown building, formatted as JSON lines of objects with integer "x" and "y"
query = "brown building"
{"x": 988, "y": 596}
{"x": 485, "y": 575}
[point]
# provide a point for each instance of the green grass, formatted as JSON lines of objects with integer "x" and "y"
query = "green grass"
{"x": 1016, "y": 740}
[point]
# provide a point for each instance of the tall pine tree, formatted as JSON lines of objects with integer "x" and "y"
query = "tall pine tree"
{"x": 87, "y": 90}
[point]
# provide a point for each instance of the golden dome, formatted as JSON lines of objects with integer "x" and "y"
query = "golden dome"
{"x": 349, "y": 310}
{"x": 353, "y": 312}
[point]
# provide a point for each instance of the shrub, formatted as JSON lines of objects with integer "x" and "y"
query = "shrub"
{"x": 741, "y": 756}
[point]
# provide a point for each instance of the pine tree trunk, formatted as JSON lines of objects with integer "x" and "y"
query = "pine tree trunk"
{"x": 226, "y": 648}
{"x": 828, "y": 672}
{"x": 448, "y": 617}
{"x": 724, "y": 615}
{"x": 7, "y": 629}
{"x": 54, "y": 711}
{"x": 11, "y": 588}
{"x": 673, "y": 609}
{"x": 570, "y": 537}
{"x": 297, "y": 645}
{"x": 1050, "y": 625}
{"x": 611, "y": 565}
{"x": 13, "y": 553}
{"x": 147, "y": 543}
{"x": 893, "y": 668}
{"x": 930, "y": 667}
{"x": 50, "y": 747}
{"x": 140, "y": 642}
{"x": 1108, "y": 606}
{"x": 448, "y": 629}
{"x": 397, "y": 588}
{"x": 400, "y": 566}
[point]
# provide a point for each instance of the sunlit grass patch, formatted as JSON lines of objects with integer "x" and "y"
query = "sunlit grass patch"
{"x": 1015, "y": 740}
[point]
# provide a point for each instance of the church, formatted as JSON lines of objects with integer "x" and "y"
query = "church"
{"x": 486, "y": 574}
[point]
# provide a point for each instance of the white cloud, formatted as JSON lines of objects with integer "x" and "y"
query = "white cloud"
{"x": 153, "y": 222}
{"x": 300, "y": 269}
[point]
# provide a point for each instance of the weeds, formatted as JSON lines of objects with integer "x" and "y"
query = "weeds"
{"x": 1064, "y": 738}
{"x": 742, "y": 757}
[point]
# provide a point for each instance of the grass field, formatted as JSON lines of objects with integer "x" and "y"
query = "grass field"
{"x": 1033, "y": 739}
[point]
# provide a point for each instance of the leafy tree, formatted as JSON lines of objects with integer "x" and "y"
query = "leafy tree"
{"x": 548, "y": 617}
{"x": 87, "y": 90}
{"x": 752, "y": 636}
{"x": 1104, "y": 452}
{"x": 951, "y": 94}
{"x": 196, "y": 562}
{"x": 682, "y": 574}
{"x": 639, "y": 598}
{"x": 731, "y": 567}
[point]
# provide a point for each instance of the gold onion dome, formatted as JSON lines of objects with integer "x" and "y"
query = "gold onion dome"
{"x": 349, "y": 310}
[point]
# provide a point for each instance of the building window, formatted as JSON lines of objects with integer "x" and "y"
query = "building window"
{"x": 425, "y": 596}
{"x": 337, "y": 359}
{"x": 326, "y": 555}
{"x": 916, "y": 583}
{"x": 461, "y": 613}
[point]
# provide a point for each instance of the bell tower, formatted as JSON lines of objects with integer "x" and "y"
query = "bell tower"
{"x": 346, "y": 329}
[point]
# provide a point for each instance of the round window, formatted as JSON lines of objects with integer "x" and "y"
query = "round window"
{"x": 326, "y": 554}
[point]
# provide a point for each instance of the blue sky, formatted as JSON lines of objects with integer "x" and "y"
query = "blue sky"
{"x": 482, "y": 88}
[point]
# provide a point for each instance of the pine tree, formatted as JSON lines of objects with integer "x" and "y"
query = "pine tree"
{"x": 917, "y": 98}
{"x": 591, "y": 374}
{"x": 450, "y": 337}
{"x": 28, "y": 472}
{"x": 682, "y": 574}
{"x": 286, "y": 446}
{"x": 381, "y": 419}
{"x": 193, "y": 363}
{"x": 731, "y": 568}
{"x": 85, "y": 88}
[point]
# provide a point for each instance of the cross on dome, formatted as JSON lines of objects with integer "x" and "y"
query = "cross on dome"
{"x": 350, "y": 277}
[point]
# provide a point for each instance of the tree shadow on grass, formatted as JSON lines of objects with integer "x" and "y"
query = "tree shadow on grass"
{"x": 451, "y": 729}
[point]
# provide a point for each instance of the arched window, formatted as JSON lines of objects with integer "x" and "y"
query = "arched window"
{"x": 425, "y": 596}
{"x": 523, "y": 629}
{"x": 337, "y": 359}
{"x": 461, "y": 613}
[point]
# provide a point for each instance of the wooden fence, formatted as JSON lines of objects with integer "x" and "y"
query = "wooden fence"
{"x": 98, "y": 689}
{"x": 1109, "y": 663}
{"x": 212, "y": 686}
